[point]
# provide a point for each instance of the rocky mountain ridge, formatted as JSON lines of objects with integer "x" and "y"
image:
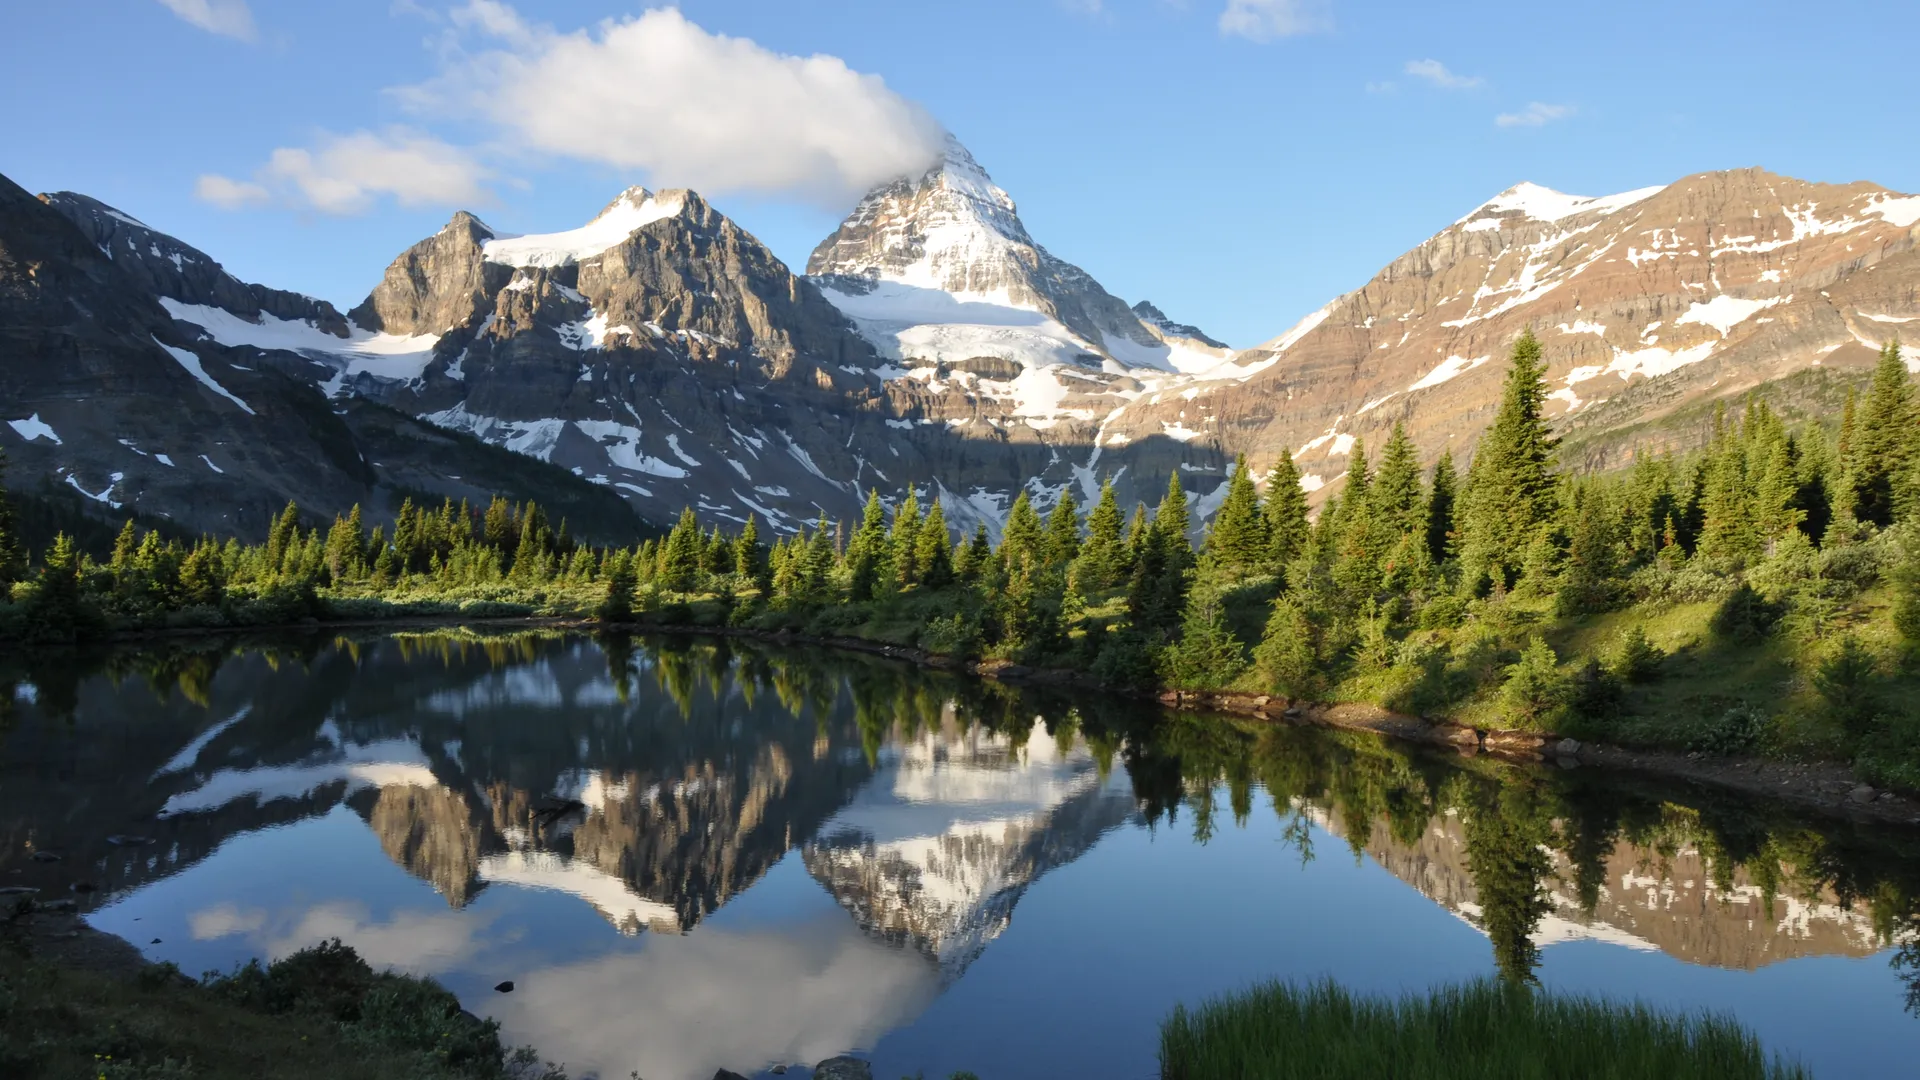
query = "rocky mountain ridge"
{"x": 664, "y": 356}
{"x": 1646, "y": 302}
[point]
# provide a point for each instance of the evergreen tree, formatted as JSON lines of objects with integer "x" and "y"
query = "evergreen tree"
{"x": 1207, "y": 656}
{"x": 1062, "y": 541}
{"x": 617, "y": 606}
{"x": 975, "y": 556}
{"x": 680, "y": 557}
{"x": 1239, "y": 541}
{"x": 1727, "y": 529}
{"x": 866, "y": 552}
{"x": 1440, "y": 507}
{"x": 933, "y": 549}
{"x": 1020, "y": 540}
{"x": 1171, "y": 523}
{"x": 1101, "y": 562}
{"x": 283, "y": 533}
{"x": 1510, "y": 497}
{"x": 749, "y": 557}
{"x": 1286, "y": 512}
{"x": 1399, "y": 504}
{"x": 905, "y": 537}
{"x": 1884, "y": 439}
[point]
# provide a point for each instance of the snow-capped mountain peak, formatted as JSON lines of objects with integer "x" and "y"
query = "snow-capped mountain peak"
{"x": 633, "y": 210}
{"x": 1529, "y": 200}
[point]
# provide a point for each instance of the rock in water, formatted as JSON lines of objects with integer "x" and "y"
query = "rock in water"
{"x": 843, "y": 1068}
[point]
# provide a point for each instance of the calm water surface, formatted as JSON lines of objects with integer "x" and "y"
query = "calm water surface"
{"x": 690, "y": 856}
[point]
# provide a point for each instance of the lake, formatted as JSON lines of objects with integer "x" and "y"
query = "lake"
{"x": 690, "y": 855}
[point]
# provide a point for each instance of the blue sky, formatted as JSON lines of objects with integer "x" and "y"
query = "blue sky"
{"x": 1239, "y": 162}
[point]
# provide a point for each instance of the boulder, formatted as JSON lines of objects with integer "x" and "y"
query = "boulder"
{"x": 1863, "y": 794}
{"x": 1567, "y": 747}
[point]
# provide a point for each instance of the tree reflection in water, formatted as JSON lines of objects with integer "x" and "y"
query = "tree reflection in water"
{"x": 765, "y": 746}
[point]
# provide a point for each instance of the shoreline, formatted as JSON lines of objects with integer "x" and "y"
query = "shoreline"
{"x": 1827, "y": 786}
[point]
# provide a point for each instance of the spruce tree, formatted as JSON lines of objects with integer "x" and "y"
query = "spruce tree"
{"x": 901, "y": 542}
{"x": 1238, "y": 541}
{"x": 679, "y": 558}
{"x": 1021, "y": 539}
{"x": 1510, "y": 497}
{"x": 1884, "y": 439}
{"x": 866, "y": 553}
{"x": 933, "y": 549}
{"x": 1171, "y": 523}
{"x": 1098, "y": 566}
{"x": 1286, "y": 513}
{"x": 1440, "y": 508}
{"x": 1062, "y": 540}
{"x": 1399, "y": 503}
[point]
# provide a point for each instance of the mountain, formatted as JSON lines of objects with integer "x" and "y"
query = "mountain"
{"x": 1650, "y": 304}
{"x": 661, "y": 356}
{"x": 110, "y": 397}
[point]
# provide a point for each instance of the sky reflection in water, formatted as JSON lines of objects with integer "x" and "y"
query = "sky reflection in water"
{"x": 733, "y": 858}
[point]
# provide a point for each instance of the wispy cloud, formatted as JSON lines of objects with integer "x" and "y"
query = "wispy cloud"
{"x": 348, "y": 174}
{"x": 229, "y": 194}
{"x": 1266, "y": 20}
{"x": 1435, "y": 72}
{"x": 1536, "y": 114}
{"x": 659, "y": 94}
{"x": 228, "y": 18}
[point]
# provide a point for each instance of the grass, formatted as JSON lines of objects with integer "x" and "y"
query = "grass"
{"x": 320, "y": 1013}
{"x": 1480, "y": 1029}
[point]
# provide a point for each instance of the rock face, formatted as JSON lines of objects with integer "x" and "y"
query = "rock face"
{"x": 159, "y": 265}
{"x": 116, "y": 396}
{"x": 1648, "y": 303}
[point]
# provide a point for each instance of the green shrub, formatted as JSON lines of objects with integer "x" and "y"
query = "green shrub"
{"x": 1847, "y": 680}
{"x": 1636, "y": 659}
{"x": 1745, "y": 616}
{"x": 1738, "y": 730}
{"x": 1536, "y": 693}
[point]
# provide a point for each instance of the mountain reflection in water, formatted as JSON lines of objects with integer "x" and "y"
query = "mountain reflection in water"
{"x": 806, "y": 853}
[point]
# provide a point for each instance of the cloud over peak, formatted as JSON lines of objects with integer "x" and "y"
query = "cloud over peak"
{"x": 659, "y": 94}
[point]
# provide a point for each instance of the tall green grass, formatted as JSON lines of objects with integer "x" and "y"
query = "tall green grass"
{"x": 1478, "y": 1030}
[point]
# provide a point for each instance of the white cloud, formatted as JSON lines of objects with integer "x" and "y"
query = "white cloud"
{"x": 659, "y": 94}
{"x": 228, "y": 18}
{"x": 1536, "y": 114}
{"x": 1436, "y": 73}
{"x": 229, "y": 194}
{"x": 1264, "y": 20}
{"x": 347, "y": 174}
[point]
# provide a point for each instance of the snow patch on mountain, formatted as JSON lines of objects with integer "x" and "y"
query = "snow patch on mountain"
{"x": 635, "y": 209}
{"x": 383, "y": 356}
{"x": 1545, "y": 204}
{"x": 1723, "y": 312}
{"x": 34, "y": 428}
{"x": 192, "y": 363}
